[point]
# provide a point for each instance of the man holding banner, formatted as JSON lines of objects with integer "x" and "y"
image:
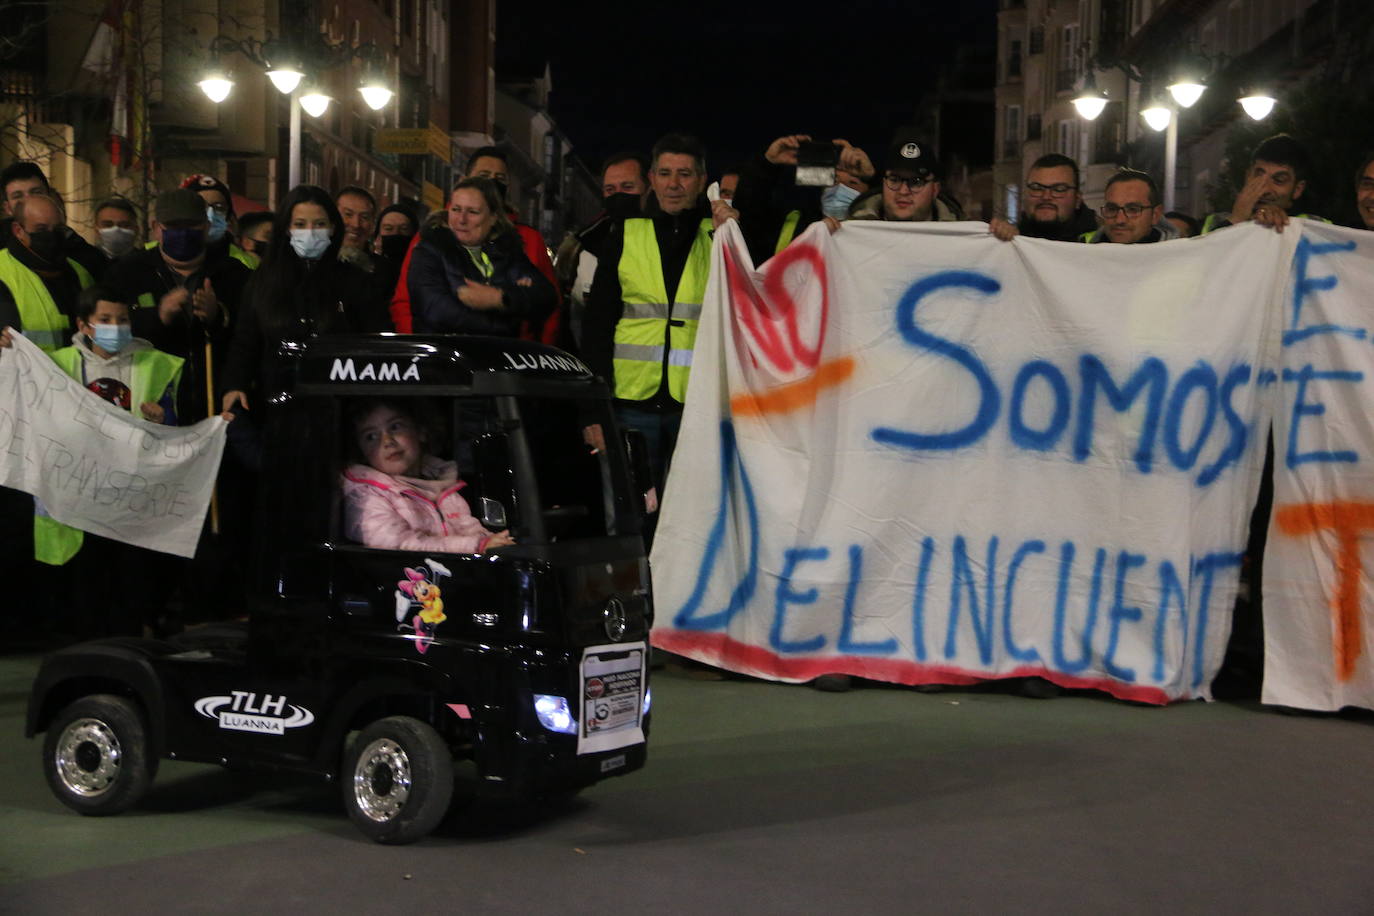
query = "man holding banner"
{"x": 918, "y": 455}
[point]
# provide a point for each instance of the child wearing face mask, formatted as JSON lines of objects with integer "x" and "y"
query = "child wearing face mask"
{"x": 123, "y": 369}
{"x": 130, "y": 373}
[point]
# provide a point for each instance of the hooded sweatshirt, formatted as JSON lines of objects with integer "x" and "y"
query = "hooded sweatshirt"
{"x": 111, "y": 377}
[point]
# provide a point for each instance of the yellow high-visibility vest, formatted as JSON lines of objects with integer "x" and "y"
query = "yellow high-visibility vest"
{"x": 653, "y": 332}
{"x": 53, "y": 542}
{"x": 43, "y": 323}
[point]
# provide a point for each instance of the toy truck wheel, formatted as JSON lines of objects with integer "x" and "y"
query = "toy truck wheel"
{"x": 95, "y": 755}
{"x": 398, "y": 780}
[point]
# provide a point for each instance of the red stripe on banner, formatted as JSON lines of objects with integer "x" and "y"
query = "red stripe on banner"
{"x": 719, "y": 649}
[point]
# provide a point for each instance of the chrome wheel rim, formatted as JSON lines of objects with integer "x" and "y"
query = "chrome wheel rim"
{"x": 381, "y": 780}
{"x": 88, "y": 758}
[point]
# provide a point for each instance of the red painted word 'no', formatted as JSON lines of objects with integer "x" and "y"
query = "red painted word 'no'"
{"x": 761, "y": 312}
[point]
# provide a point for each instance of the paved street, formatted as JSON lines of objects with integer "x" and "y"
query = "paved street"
{"x": 765, "y": 798}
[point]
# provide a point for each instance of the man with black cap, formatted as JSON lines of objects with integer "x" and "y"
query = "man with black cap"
{"x": 910, "y": 187}
{"x": 219, "y": 212}
{"x": 187, "y": 292}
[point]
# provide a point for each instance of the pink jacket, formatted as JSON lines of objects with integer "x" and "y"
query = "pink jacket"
{"x": 411, "y": 513}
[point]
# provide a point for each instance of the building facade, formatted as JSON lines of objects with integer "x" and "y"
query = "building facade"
{"x": 1133, "y": 49}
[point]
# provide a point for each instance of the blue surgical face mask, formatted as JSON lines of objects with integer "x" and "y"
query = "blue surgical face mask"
{"x": 183, "y": 244}
{"x": 112, "y": 337}
{"x": 835, "y": 200}
{"x": 310, "y": 243}
{"x": 218, "y": 225}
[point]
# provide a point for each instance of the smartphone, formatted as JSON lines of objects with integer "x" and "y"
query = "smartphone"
{"x": 816, "y": 163}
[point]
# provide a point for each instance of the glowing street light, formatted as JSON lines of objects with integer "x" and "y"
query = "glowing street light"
{"x": 375, "y": 94}
{"x": 1091, "y": 101}
{"x": 1186, "y": 92}
{"x": 315, "y": 101}
{"x": 216, "y": 86}
{"x": 1158, "y": 116}
{"x": 1258, "y": 105}
{"x": 286, "y": 78}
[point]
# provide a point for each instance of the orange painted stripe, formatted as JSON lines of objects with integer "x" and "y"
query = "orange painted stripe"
{"x": 1349, "y": 520}
{"x": 794, "y": 395}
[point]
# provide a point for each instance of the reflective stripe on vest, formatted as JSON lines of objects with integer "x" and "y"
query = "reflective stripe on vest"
{"x": 42, "y": 323}
{"x": 243, "y": 257}
{"x": 654, "y": 334}
{"x": 153, "y": 371}
{"x": 789, "y": 231}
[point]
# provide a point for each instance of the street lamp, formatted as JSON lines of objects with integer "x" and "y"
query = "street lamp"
{"x": 286, "y": 64}
{"x": 315, "y": 101}
{"x": 1258, "y": 105}
{"x": 1091, "y": 101}
{"x": 1162, "y": 113}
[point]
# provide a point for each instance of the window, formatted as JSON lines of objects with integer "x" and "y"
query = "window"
{"x": 1011, "y": 132}
{"x": 1068, "y": 138}
{"x": 1037, "y": 40}
{"x": 1014, "y": 61}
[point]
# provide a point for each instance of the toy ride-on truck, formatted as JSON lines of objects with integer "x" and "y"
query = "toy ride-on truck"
{"x": 380, "y": 668}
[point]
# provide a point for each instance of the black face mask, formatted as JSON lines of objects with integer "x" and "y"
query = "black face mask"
{"x": 47, "y": 244}
{"x": 183, "y": 244}
{"x": 622, "y": 205}
{"x": 394, "y": 247}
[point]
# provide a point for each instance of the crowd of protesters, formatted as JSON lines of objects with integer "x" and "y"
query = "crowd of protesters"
{"x": 184, "y": 324}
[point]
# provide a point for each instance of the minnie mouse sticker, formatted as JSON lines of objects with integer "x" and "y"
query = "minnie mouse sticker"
{"x": 418, "y": 597}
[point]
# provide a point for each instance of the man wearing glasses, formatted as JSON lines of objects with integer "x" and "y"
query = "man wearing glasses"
{"x": 1133, "y": 212}
{"x": 910, "y": 188}
{"x": 1051, "y": 206}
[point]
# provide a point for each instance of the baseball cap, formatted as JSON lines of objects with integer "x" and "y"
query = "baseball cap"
{"x": 210, "y": 183}
{"x": 181, "y": 205}
{"x": 908, "y": 154}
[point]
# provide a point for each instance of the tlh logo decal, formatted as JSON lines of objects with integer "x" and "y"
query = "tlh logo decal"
{"x": 270, "y": 715}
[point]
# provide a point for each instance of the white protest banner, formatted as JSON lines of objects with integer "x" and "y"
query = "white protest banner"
{"x": 1318, "y": 598}
{"x": 917, "y": 454}
{"x": 97, "y": 468}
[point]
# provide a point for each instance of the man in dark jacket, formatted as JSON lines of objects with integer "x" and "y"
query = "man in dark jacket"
{"x": 187, "y": 293}
{"x": 640, "y": 325}
{"x": 1051, "y": 206}
{"x": 26, "y": 179}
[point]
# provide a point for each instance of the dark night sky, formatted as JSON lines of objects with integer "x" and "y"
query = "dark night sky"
{"x": 736, "y": 74}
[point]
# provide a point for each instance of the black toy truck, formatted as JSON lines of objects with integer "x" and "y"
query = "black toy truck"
{"x": 380, "y": 668}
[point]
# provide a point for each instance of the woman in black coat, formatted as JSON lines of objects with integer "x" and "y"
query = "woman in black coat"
{"x": 472, "y": 276}
{"x": 301, "y": 290}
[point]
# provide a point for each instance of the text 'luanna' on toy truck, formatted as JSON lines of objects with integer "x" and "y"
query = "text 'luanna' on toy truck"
{"x": 512, "y": 631}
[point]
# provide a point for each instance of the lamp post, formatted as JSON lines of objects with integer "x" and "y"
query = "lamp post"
{"x": 1163, "y": 114}
{"x": 285, "y": 64}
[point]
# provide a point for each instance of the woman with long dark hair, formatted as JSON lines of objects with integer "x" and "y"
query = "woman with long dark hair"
{"x": 301, "y": 290}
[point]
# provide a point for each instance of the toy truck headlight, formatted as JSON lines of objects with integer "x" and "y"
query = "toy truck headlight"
{"x": 554, "y": 714}
{"x": 644, "y": 709}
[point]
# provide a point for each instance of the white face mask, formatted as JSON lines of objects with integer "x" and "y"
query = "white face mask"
{"x": 116, "y": 240}
{"x": 309, "y": 243}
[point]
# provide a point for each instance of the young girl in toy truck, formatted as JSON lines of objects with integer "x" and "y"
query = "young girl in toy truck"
{"x": 401, "y": 497}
